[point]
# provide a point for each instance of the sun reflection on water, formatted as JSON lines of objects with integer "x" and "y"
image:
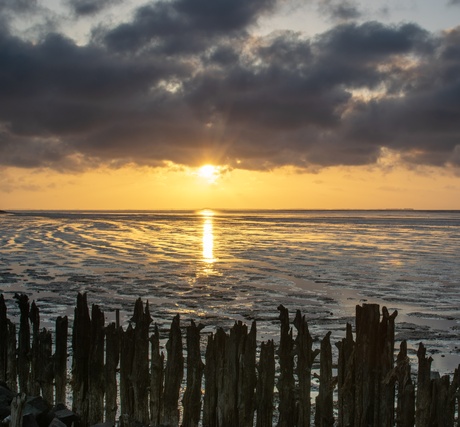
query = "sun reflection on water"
{"x": 208, "y": 241}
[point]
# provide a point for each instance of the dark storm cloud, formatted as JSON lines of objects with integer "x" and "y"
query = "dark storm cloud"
{"x": 339, "y": 10}
{"x": 17, "y": 6}
{"x": 89, "y": 7}
{"x": 185, "y": 26}
{"x": 185, "y": 81}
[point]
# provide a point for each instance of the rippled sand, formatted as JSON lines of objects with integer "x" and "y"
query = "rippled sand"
{"x": 218, "y": 267}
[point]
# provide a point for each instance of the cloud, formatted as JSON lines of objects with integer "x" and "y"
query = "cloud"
{"x": 89, "y": 7}
{"x": 185, "y": 81}
{"x": 339, "y": 10}
{"x": 454, "y": 2}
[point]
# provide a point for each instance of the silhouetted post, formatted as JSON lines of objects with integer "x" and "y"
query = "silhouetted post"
{"x": 140, "y": 368}
{"x": 45, "y": 375}
{"x": 324, "y": 404}
{"x": 225, "y": 410}
{"x": 385, "y": 393}
{"x": 265, "y": 385}
{"x": 173, "y": 375}
{"x": 126, "y": 363}
{"x": 305, "y": 357}
{"x": 80, "y": 361}
{"x": 156, "y": 378}
{"x": 12, "y": 363}
{"x": 112, "y": 357}
{"x": 60, "y": 359}
{"x": 367, "y": 327}
{"x": 192, "y": 395}
{"x": 34, "y": 317}
{"x": 247, "y": 379}
{"x": 346, "y": 379}
{"x": 405, "y": 409}
{"x": 423, "y": 402}
{"x": 96, "y": 384}
{"x": 210, "y": 379}
{"x": 285, "y": 385}
{"x": 3, "y": 340}
{"x": 442, "y": 413}
{"x": 23, "y": 343}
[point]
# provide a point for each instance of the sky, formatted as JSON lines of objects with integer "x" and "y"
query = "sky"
{"x": 296, "y": 104}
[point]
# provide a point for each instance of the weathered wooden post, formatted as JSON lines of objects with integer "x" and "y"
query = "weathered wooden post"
{"x": 247, "y": 378}
{"x": 305, "y": 357}
{"x": 23, "y": 343}
{"x": 60, "y": 359}
{"x": 225, "y": 411}
{"x": 423, "y": 402}
{"x": 34, "y": 317}
{"x": 126, "y": 386}
{"x": 367, "y": 327}
{"x": 265, "y": 385}
{"x": 96, "y": 385}
{"x": 192, "y": 395}
{"x": 80, "y": 360}
{"x": 45, "y": 376}
{"x": 12, "y": 363}
{"x": 3, "y": 340}
{"x": 173, "y": 375}
{"x": 156, "y": 379}
{"x": 112, "y": 357}
{"x": 210, "y": 379}
{"x": 405, "y": 409}
{"x": 324, "y": 416}
{"x": 385, "y": 393}
{"x": 140, "y": 368}
{"x": 286, "y": 384}
{"x": 346, "y": 379}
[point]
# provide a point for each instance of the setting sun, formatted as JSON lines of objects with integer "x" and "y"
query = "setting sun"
{"x": 209, "y": 172}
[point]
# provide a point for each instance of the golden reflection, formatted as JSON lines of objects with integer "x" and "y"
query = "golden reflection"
{"x": 208, "y": 240}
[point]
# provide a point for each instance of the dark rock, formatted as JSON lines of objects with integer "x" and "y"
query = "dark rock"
{"x": 6, "y": 396}
{"x": 29, "y": 420}
{"x": 66, "y": 416}
{"x": 56, "y": 422}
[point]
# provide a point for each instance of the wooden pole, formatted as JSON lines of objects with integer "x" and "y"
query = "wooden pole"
{"x": 173, "y": 375}
{"x": 23, "y": 343}
{"x": 192, "y": 395}
{"x": 345, "y": 379}
{"x": 156, "y": 378}
{"x": 140, "y": 368}
{"x": 305, "y": 358}
{"x": 324, "y": 416}
{"x": 96, "y": 384}
{"x": 80, "y": 360}
{"x": 423, "y": 402}
{"x": 112, "y": 357}
{"x": 265, "y": 385}
{"x": 367, "y": 327}
{"x": 286, "y": 384}
{"x": 247, "y": 379}
{"x": 60, "y": 359}
{"x": 210, "y": 380}
{"x": 3, "y": 340}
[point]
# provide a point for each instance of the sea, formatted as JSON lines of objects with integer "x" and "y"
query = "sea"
{"x": 220, "y": 266}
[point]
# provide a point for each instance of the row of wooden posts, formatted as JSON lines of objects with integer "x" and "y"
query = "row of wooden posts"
{"x": 123, "y": 376}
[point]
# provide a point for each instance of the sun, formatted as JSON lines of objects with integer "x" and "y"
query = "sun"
{"x": 209, "y": 172}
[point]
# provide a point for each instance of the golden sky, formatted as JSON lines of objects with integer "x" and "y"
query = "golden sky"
{"x": 319, "y": 104}
{"x": 185, "y": 188}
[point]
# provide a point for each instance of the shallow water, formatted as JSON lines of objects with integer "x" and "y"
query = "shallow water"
{"x": 220, "y": 266}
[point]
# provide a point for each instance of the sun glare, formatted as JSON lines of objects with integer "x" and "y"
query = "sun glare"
{"x": 209, "y": 172}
